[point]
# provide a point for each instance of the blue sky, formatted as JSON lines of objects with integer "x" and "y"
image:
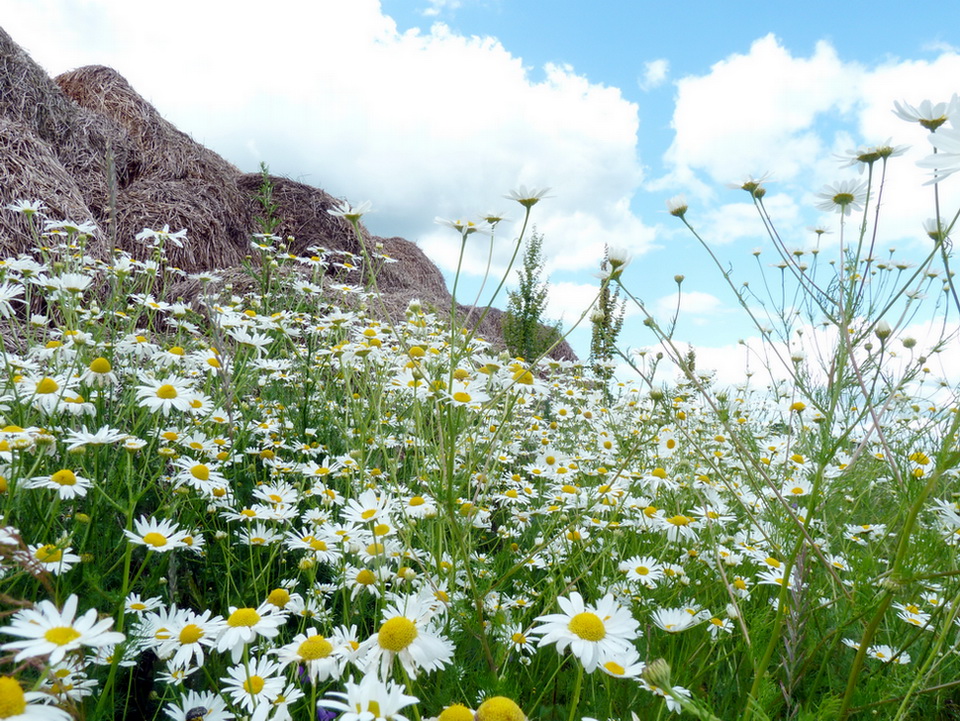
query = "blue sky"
{"x": 438, "y": 107}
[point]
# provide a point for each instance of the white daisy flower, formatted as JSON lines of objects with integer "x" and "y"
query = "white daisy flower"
{"x": 594, "y": 634}
{"x": 47, "y": 631}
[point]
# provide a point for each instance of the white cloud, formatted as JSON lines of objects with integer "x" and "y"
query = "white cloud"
{"x": 654, "y": 73}
{"x": 423, "y": 124}
{"x": 691, "y": 303}
{"x": 769, "y": 110}
{"x": 567, "y": 301}
{"x": 438, "y": 6}
{"x": 755, "y": 112}
{"x": 737, "y": 221}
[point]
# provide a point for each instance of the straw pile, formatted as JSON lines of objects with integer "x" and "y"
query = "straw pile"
{"x": 91, "y": 148}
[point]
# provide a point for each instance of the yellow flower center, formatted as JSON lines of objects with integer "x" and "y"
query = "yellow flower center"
{"x": 368, "y": 514}
{"x": 381, "y": 529}
{"x": 64, "y": 477}
{"x": 200, "y": 472}
{"x": 397, "y": 633}
{"x": 366, "y": 577}
{"x": 253, "y": 685}
{"x": 615, "y": 668}
{"x": 48, "y": 554}
{"x": 47, "y": 385}
{"x": 588, "y": 626}
{"x": 524, "y": 377}
{"x": 61, "y": 635}
{"x": 279, "y": 597}
{"x": 157, "y": 540}
{"x": 191, "y": 633}
{"x": 314, "y": 647}
{"x": 101, "y": 366}
{"x": 457, "y": 712}
{"x": 518, "y": 638}
{"x": 12, "y": 700}
{"x": 642, "y": 570}
{"x": 679, "y": 520}
{"x": 244, "y": 617}
{"x": 166, "y": 392}
{"x": 499, "y": 708}
{"x": 461, "y": 397}
{"x": 317, "y": 545}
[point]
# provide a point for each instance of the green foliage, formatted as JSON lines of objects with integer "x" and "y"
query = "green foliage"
{"x": 524, "y": 330}
{"x": 607, "y": 320}
{"x": 268, "y": 221}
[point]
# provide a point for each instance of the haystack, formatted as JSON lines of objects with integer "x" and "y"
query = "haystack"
{"x": 91, "y": 148}
{"x": 178, "y": 182}
{"x": 302, "y": 210}
{"x": 47, "y": 138}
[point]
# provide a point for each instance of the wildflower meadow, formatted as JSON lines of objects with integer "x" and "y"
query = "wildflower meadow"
{"x": 279, "y": 500}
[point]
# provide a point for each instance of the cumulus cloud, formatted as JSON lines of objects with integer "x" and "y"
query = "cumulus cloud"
{"x": 423, "y": 124}
{"x": 694, "y": 305}
{"x": 435, "y": 7}
{"x": 756, "y": 111}
{"x": 769, "y": 110}
{"x": 654, "y": 73}
{"x": 567, "y": 300}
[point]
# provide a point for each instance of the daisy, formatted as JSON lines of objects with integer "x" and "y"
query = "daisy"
{"x": 170, "y": 393}
{"x": 519, "y": 639}
{"x": 49, "y": 631}
{"x": 677, "y": 206}
{"x": 30, "y": 706}
{"x": 9, "y": 293}
{"x": 887, "y": 654}
{"x": 675, "y": 620}
{"x": 528, "y": 197}
{"x": 52, "y": 558}
{"x": 136, "y": 605}
{"x": 65, "y": 482}
{"x": 773, "y": 577}
{"x": 593, "y": 634}
{"x": 157, "y": 535}
{"x": 627, "y": 665}
{"x": 644, "y": 570}
{"x": 28, "y": 207}
{"x": 350, "y": 213}
{"x": 67, "y": 683}
{"x": 406, "y": 634}
{"x": 189, "y": 635}
{"x": 679, "y": 527}
{"x": 281, "y": 702}
{"x": 157, "y": 238}
{"x": 323, "y": 548}
{"x": 244, "y": 625}
{"x": 930, "y": 116}
{"x": 102, "y": 437}
{"x": 194, "y": 706}
{"x": 318, "y": 656}
{"x": 369, "y": 507}
{"x": 259, "y": 534}
{"x": 499, "y": 708}
{"x": 201, "y": 476}
{"x": 254, "y": 686}
{"x": 369, "y": 700}
{"x": 843, "y": 197}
